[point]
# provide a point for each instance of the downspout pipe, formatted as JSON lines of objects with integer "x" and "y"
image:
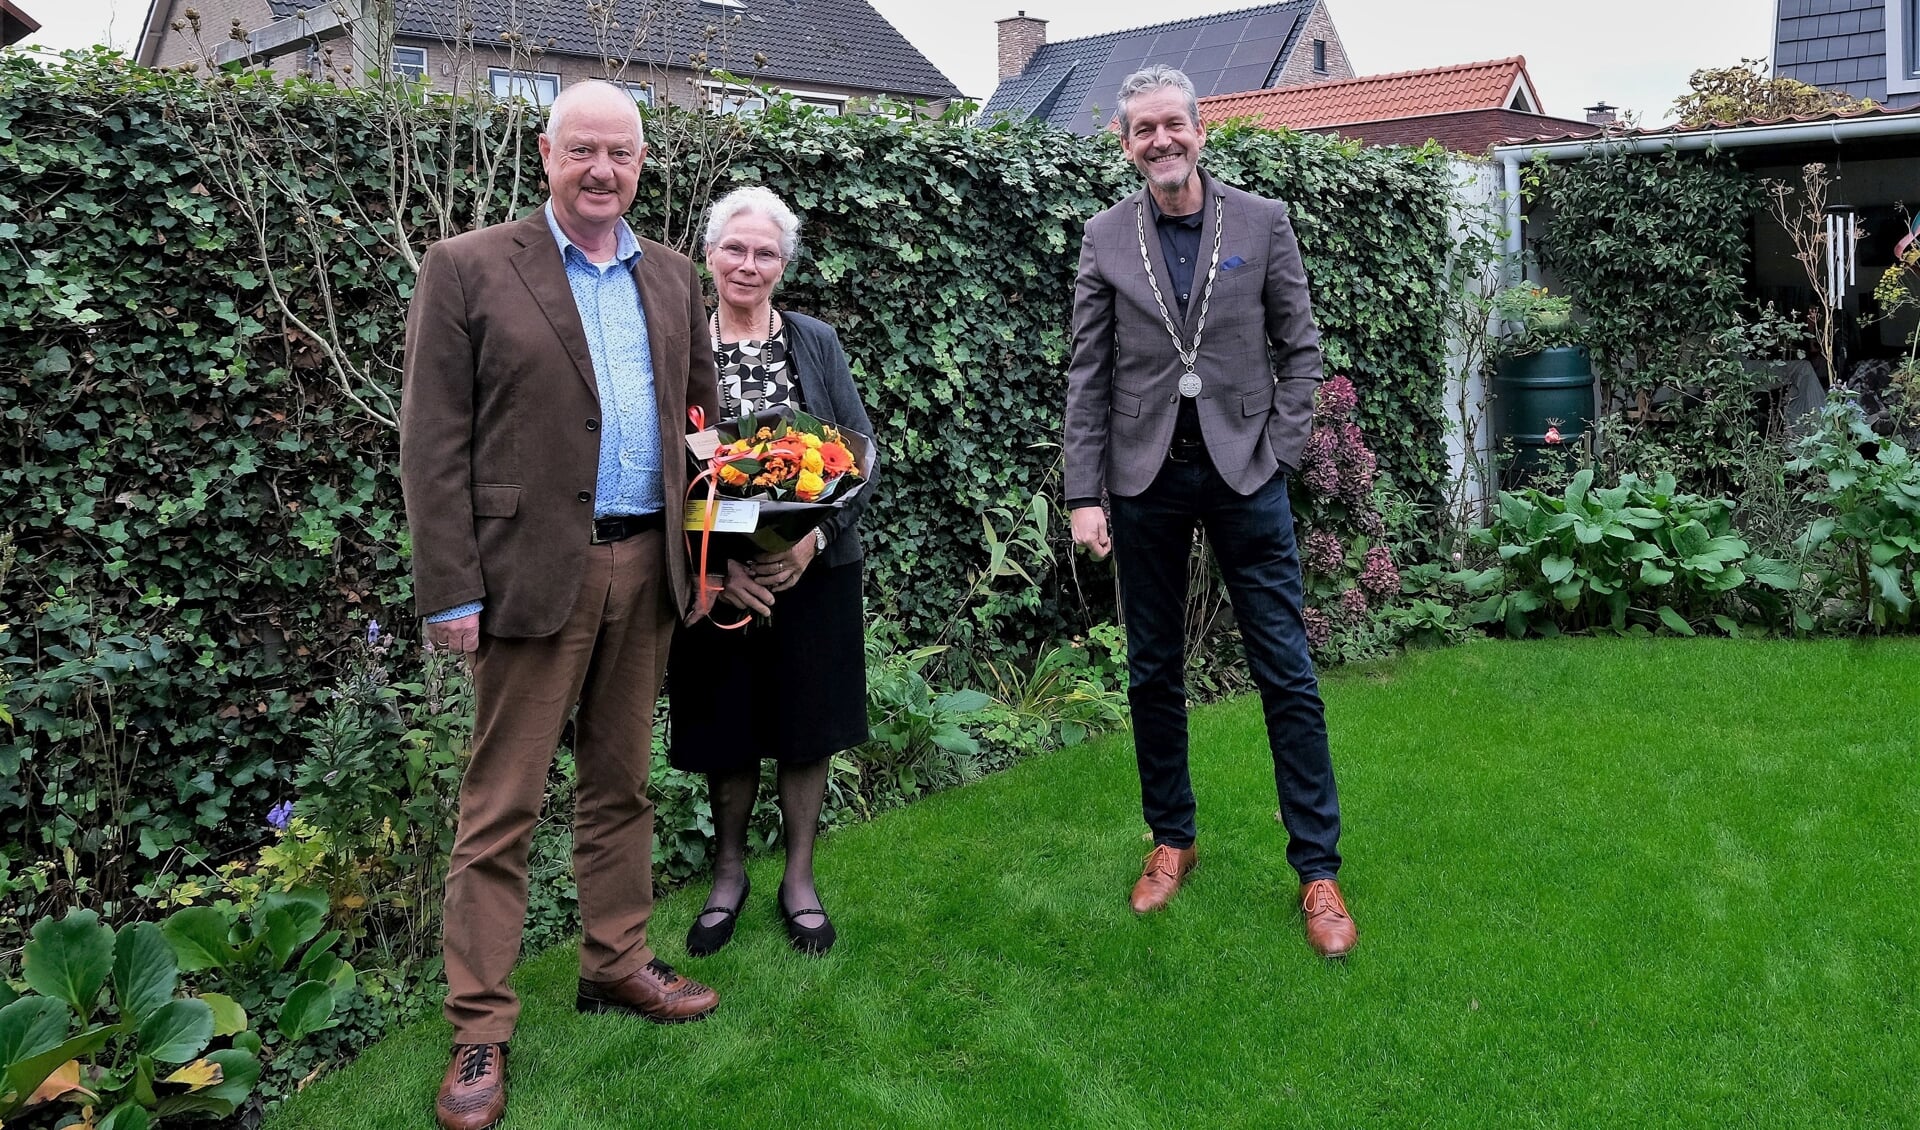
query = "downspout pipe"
{"x": 1510, "y": 184}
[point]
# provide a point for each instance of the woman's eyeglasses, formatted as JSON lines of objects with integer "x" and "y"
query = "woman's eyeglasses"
{"x": 739, "y": 253}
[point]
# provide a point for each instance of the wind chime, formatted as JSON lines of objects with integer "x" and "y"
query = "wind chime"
{"x": 1843, "y": 263}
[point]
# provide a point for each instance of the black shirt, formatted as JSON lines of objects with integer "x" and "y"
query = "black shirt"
{"x": 1180, "y": 245}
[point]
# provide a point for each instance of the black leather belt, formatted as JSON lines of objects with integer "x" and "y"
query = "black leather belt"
{"x": 1187, "y": 450}
{"x": 620, "y": 527}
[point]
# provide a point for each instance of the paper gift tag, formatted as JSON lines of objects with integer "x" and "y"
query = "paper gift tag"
{"x": 703, "y": 444}
{"x": 733, "y": 516}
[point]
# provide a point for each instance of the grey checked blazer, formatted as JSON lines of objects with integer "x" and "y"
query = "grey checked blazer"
{"x": 1259, "y": 360}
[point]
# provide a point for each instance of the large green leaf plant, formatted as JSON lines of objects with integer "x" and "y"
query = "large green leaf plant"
{"x": 104, "y": 1027}
{"x": 1635, "y": 555}
{"x": 1872, "y": 538}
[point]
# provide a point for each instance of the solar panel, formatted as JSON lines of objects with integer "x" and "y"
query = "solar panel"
{"x": 1216, "y": 36}
{"x": 1223, "y": 55}
{"x": 1234, "y": 80}
{"x": 1207, "y": 82}
{"x": 1278, "y": 23}
{"x": 1174, "y": 44}
{"x": 1261, "y": 52}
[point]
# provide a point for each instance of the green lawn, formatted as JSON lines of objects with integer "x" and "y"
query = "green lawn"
{"x": 1599, "y": 883}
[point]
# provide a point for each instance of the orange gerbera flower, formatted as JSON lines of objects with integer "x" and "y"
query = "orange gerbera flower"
{"x": 835, "y": 459}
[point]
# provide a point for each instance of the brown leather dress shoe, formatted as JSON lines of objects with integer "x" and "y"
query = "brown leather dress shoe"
{"x": 654, "y": 991}
{"x": 1166, "y": 868}
{"x": 473, "y": 1096}
{"x": 1330, "y": 929}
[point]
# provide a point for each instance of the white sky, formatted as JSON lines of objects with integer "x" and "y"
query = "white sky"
{"x": 1635, "y": 54}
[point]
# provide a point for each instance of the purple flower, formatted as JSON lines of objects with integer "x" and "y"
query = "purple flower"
{"x": 1319, "y": 628}
{"x": 1379, "y": 577}
{"x": 1354, "y": 603}
{"x": 1336, "y": 401}
{"x": 373, "y": 632}
{"x": 280, "y": 815}
{"x": 1320, "y": 469}
{"x": 1372, "y": 524}
{"x": 1357, "y": 466}
{"x": 1324, "y": 554}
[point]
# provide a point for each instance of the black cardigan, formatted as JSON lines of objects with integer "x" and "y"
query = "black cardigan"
{"x": 827, "y": 391}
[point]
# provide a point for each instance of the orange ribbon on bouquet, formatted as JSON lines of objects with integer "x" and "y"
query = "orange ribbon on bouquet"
{"x": 706, "y": 594}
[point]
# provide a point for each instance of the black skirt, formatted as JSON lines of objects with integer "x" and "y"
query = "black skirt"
{"x": 793, "y": 688}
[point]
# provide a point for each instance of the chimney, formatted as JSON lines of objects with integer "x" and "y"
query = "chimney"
{"x": 1601, "y": 114}
{"x": 1020, "y": 37}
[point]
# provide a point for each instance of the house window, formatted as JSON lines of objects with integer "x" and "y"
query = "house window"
{"x": 535, "y": 87}
{"x": 818, "y": 99}
{"x": 1913, "y": 38}
{"x": 721, "y": 4}
{"x": 410, "y": 63}
{"x": 1903, "y": 46}
{"x": 733, "y": 100}
{"x": 642, "y": 92}
{"x": 1320, "y": 55}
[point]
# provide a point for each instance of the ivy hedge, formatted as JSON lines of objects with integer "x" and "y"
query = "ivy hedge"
{"x": 204, "y": 520}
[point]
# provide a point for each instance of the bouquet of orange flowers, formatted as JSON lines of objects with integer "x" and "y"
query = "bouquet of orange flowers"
{"x": 769, "y": 479}
{"x": 802, "y": 459}
{"x": 773, "y": 477}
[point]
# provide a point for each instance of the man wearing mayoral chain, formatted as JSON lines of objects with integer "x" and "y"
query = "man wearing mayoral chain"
{"x": 1189, "y": 401}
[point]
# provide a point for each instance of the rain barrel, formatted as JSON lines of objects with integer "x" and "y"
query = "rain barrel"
{"x": 1536, "y": 392}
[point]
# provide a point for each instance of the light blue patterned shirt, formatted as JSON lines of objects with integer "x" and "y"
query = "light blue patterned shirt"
{"x": 609, "y": 303}
{"x": 608, "y": 299}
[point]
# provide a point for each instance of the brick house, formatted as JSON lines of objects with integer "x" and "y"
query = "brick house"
{"x": 1071, "y": 83}
{"x": 1864, "y": 48}
{"x": 835, "y": 54}
{"x": 1467, "y": 108}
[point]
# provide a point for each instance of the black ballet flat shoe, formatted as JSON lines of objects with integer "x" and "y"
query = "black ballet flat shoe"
{"x": 704, "y": 940}
{"x": 814, "y": 940}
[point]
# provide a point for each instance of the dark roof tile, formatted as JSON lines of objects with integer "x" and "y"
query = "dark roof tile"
{"x": 836, "y": 42}
{"x": 1224, "y": 53}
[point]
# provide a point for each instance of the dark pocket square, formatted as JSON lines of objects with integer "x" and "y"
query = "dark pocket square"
{"x": 1236, "y": 261}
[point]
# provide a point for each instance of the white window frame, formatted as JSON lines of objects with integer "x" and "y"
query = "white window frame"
{"x": 832, "y": 103}
{"x": 729, "y": 99}
{"x": 525, "y": 85}
{"x": 411, "y": 71}
{"x": 1903, "y": 54}
{"x": 642, "y": 92}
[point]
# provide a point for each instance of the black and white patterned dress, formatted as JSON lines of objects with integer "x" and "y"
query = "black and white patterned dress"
{"x": 754, "y": 375}
{"x": 788, "y": 688}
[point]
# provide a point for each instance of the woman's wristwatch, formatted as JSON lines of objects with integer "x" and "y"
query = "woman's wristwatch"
{"x": 819, "y": 539}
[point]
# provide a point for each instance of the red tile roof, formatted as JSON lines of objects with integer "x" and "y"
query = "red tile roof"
{"x": 1374, "y": 98}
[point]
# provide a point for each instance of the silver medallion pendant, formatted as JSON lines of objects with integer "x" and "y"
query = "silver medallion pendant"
{"x": 1190, "y": 385}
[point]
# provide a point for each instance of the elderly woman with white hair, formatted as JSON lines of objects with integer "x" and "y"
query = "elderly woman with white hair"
{"x": 737, "y": 697}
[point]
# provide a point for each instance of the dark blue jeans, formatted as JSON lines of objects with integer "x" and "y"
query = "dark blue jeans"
{"x": 1252, "y": 538}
